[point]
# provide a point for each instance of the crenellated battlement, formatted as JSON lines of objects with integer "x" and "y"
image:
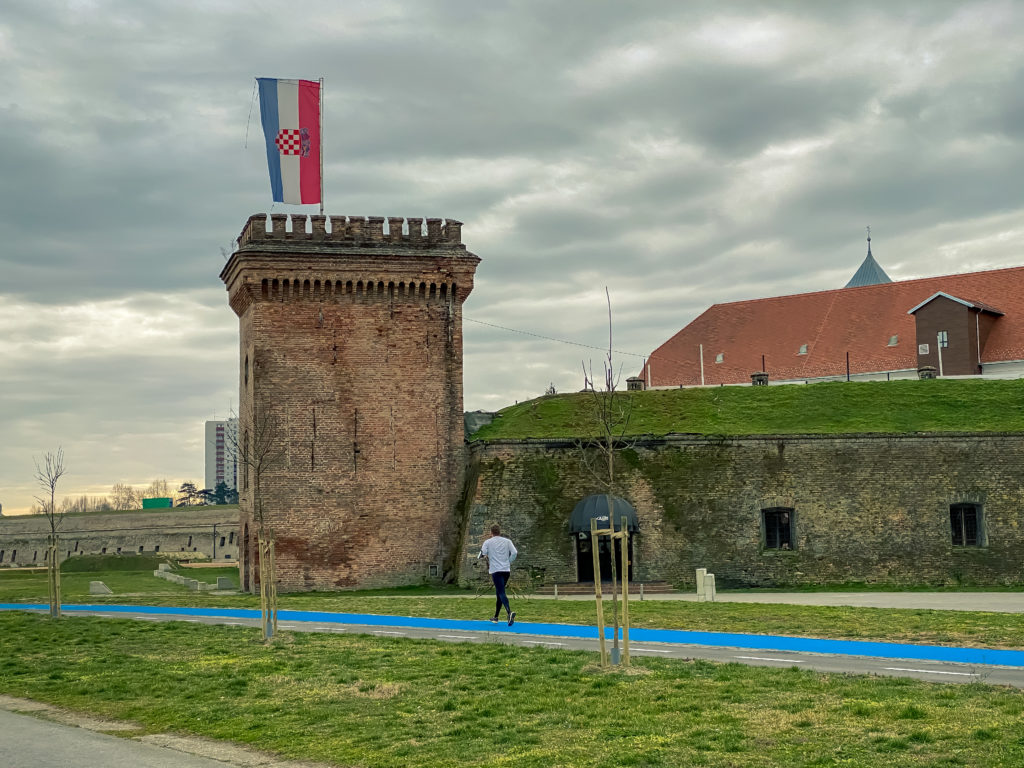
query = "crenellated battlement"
{"x": 352, "y": 230}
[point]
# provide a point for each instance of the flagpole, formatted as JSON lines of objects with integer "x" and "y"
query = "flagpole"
{"x": 321, "y": 146}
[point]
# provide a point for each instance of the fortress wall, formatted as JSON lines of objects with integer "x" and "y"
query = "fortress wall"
{"x": 199, "y": 532}
{"x": 865, "y": 507}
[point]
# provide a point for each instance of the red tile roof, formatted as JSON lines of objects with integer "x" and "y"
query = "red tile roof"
{"x": 857, "y": 320}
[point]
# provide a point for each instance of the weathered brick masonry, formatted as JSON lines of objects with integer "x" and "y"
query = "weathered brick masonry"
{"x": 351, "y": 337}
{"x": 865, "y": 507}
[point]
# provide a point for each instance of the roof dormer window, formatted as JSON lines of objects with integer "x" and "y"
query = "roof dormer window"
{"x": 803, "y": 349}
{"x": 894, "y": 340}
{"x": 720, "y": 357}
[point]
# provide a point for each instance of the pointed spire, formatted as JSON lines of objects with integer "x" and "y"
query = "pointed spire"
{"x": 869, "y": 272}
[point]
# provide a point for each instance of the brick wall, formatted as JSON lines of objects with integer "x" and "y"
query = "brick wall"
{"x": 23, "y": 538}
{"x": 353, "y": 344}
{"x": 866, "y": 508}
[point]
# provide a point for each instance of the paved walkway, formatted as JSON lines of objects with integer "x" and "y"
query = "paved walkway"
{"x": 997, "y": 602}
{"x": 38, "y": 735}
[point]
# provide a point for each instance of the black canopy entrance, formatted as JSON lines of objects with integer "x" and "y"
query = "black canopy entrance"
{"x": 597, "y": 507}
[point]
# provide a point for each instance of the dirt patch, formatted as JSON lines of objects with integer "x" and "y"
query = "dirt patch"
{"x": 64, "y": 716}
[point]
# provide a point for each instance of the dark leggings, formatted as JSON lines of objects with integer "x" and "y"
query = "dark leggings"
{"x": 500, "y": 579}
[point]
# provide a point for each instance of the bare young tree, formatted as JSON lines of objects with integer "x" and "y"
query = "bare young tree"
{"x": 260, "y": 446}
{"x": 48, "y": 474}
{"x": 612, "y": 412}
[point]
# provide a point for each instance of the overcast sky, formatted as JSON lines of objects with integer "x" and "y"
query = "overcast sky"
{"x": 682, "y": 154}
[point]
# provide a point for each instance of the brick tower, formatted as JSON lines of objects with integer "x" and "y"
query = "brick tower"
{"x": 351, "y": 346}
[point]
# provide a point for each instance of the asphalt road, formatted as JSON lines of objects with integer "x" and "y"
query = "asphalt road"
{"x": 28, "y": 742}
{"x": 893, "y": 665}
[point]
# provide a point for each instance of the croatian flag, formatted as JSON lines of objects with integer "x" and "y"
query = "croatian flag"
{"x": 290, "y": 112}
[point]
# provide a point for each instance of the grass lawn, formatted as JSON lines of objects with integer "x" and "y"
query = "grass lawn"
{"x": 26, "y": 585}
{"x": 939, "y": 405}
{"x": 995, "y": 630}
{"x": 362, "y": 701}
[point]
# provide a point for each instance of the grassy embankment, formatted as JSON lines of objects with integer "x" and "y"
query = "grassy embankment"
{"x": 939, "y": 405}
{"x": 351, "y": 700}
{"x": 156, "y": 510}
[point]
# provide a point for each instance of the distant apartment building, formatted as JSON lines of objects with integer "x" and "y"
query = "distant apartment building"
{"x": 222, "y": 453}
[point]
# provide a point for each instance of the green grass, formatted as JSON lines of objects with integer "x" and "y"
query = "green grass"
{"x": 30, "y": 586}
{"x": 107, "y": 563}
{"x": 364, "y": 701}
{"x": 981, "y": 629}
{"x": 968, "y": 405}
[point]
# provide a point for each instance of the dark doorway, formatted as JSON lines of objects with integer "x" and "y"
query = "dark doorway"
{"x": 585, "y": 559}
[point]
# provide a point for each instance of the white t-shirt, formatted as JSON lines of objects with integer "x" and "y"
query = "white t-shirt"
{"x": 500, "y": 552}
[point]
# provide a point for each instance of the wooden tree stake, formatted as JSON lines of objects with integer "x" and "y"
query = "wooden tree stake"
{"x": 597, "y": 591}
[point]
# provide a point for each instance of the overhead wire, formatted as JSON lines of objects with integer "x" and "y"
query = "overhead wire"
{"x": 569, "y": 342}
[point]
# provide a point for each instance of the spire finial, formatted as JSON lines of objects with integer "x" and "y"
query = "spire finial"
{"x": 868, "y": 228}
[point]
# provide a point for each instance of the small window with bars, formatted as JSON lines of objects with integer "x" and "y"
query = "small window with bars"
{"x": 777, "y": 523}
{"x": 966, "y": 525}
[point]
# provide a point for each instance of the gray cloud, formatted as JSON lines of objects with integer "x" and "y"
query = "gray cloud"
{"x": 681, "y": 154}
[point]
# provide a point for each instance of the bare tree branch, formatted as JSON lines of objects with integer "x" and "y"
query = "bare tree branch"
{"x": 260, "y": 446}
{"x": 48, "y": 474}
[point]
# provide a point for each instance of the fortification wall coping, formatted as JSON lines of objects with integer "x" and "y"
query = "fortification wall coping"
{"x": 676, "y": 438}
{"x": 171, "y": 519}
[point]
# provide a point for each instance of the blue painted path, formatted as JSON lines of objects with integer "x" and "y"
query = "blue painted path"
{"x": 954, "y": 654}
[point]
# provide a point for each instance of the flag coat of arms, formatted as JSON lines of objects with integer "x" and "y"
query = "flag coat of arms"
{"x": 290, "y": 113}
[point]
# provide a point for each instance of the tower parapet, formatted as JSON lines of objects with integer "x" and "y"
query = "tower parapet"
{"x": 351, "y": 230}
